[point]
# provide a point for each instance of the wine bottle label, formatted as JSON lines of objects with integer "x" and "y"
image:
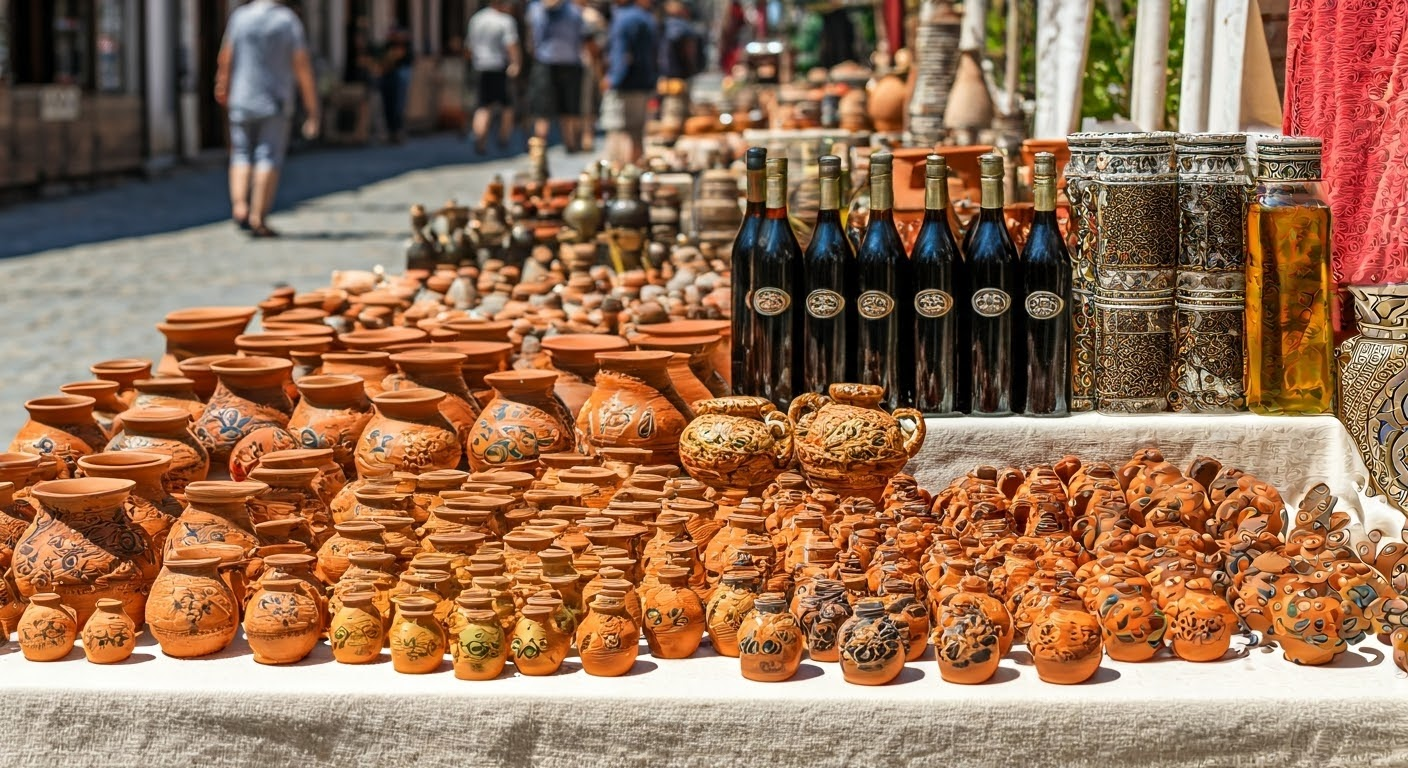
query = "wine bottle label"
{"x": 991, "y": 302}
{"x": 771, "y": 301}
{"x": 1044, "y": 305}
{"x": 874, "y": 305}
{"x": 824, "y": 305}
{"x": 932, "y": 303}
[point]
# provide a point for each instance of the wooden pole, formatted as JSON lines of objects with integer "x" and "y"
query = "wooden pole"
{"x": 1150, "y": 78}
{"x": 1197, "y": 63}
{"x": 1062, "y": 41}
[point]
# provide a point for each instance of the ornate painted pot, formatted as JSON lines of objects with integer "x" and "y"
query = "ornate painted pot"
{"x": 1373, "y": 386}
{"x": 846, "y": 444}
{"x": 736, "y": 442}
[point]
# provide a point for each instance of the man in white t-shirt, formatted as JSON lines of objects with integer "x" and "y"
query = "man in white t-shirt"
{"x": 492, "y": 45}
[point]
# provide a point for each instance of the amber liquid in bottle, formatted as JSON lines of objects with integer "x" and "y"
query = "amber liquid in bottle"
{"x": 739, "y": 276}
{"x": 776, "y": 355}
{"x": 938, "y": 279}
{"x": 829, "y": 278}
{"x": 1290, "y": 349}
{"x": 885, "y": 298}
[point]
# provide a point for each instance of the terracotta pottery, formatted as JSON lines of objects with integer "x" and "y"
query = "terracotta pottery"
{"x": 719, "y": 367}
{"x": 331, "y": 478}
{"x": 418, "y": 641}
{"x": 480, "y": 649}
{"x": 356, "y": 632}
{"x": 408, "y": 434}
{"x": 150, "y": 505}
{"x": 109, "y": 636}
{"x": 1131, "y": 624}
{"x": 608, "y": 639}
{"x": 847, "y": 445}
{"x": 573, "y": 356}
{"x": 298, "y": 566}
{"x": 770, "y": 641}
{"x": 61, "y": 427}
{"x": 966, "y": 644}
{"x": 441, "y": 371}
{"x": 166, "y": 431}
{"x": 370, "y": 570}
{"x": 200, "y": 334}
{"x": 291, "y": 494}
{"x": 16, "y": 515}
{"x": 107, "y": 404}
{"x": 474, "y": 329}
{"x": 634, "y": 405}
{"x": 673, "y": 615}
{"x": 381, "y": 339}
{"x": 694, "y": 375}
{"x": 250, "y": 396}
{"x": 740, "y": 443}
{"x": 253, "y": 447}
{"x": 192, "y": 611}
{"x": 1064, "y": 641}
{"x": 537, "y": 646}
{"x": 48, "y": 628}
{"x": 217, "y": 512}
{"x": 233, "y": 568}
{"x": 821, "y": 614}
{"x": 727, "y": 608}
{"x": 169, "y": 392}
{"x": 481, "y": 359}
{"x": 351, "y": 537}
{"x": 522, "y": 421}
{"x": 371, "y": 367}
{"x": 203, "y": 380}
{"x": 82, "y": 547}
{"x": 885, "y": 103}
{"x": 1399, "y": 640}
{"x": 282, "y": 623}
{"x": 126, "y": 371}
{"x": 902, "y": 603}
{"x": 873, "y": 645}
{"x": 1200, "y": 623}
{"x": 973, "y": 590}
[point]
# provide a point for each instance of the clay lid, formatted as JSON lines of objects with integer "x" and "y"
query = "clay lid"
{"x": 440, "y": 479}
{"x": 414, "y": 605}
{"x": 516, "y": 480}
{"x": 289, "y": 560}
{"x": 253, "y": 366}
{"x": 375, "y": 561}
{"x": 179, "y": 562}
{"x": 474, "y": 351}
{"x": 530, "y": 539}
{"x": 580, "y": 349}
{"x": 296, "y": 458}
{"x": 123, "y": 368}
{"x": 686, "y": 328}
{"x": 101, "y": 491}
{"x": 18, "y": 461}
{"x": 165, "y": 385}
{"x": 195, "y": 331}
{"x": 392, "y": 522}
{"x": 280, "y": 344}
{"x": 480, "y": 330}
{"x": 157, "y": 417}
{"x": 210, "y": 314}
{"x": 409, "y": 402}
{"x": 381, "y": 338}
{"x": 361, "y": 357}
{"x": 123, "y": 464}
{"x": 224, "y": 491}
{"x": 300, "y": 315}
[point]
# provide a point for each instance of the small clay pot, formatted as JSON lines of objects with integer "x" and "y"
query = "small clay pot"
{"x": 167, "y": 431}
{"x": 1131, "y": 624}
{"x": 48, "y": 628}
{"x": 821, "y": 614}
{"x": 109, "y": 636}
{"x": 673, "y": 615}
{"x": 873, "y": 645}
{"x": 967, "y": 644}
{"x": 62, "y": 427}
{"x": 1200, "y": 623}
{"x": 357, "y": 631}
{"x": 282, "y": 622}
{"x": 217, "y": 512}
{"x": 408, "y": 434}
{"x": 537, "y": 645}
{"x": 1064, "y": 642}
{"x": 107, "y": 406}
{"x": 523, "y": 420}
{"x": 252, "y": 395}
{"x": 127, "y": 372}
{"x": 350, "y": 537}
{"x": 176, "y": 392}
{"x": 332, "y": 413}
{"x": 418, "y": 641}
{"x": 480, "y": 648}
{"x": 728, "y": 606}
{"x": 608, "y": 640}
{"x": 770, "y": 641}
{"x": 192, "y": 611}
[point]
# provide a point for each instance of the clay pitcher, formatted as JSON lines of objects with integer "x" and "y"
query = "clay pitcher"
{"x": 192, "y": 611}
{"x": 408, "y": 434}
{"x": 847, "y": 445}
{"x": 418, "y": 641}
{"x": 480, "y": 649}
{"x": 166, "y": 431}
{"x": 967, "y": 644}
{"x": 61, "y": 427}
{"x": 252, "y": 395}
{"x": 634, "y": 405}
{"x": 740, "y": 443}
{"x": 524, "y": 420}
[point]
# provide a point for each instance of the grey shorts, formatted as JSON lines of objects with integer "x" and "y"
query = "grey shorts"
{"x": 624, "y": 111}
{"x": 261, "y": 142}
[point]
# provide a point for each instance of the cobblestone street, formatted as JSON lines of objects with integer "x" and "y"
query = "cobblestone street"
{"x": 86, "y": 277}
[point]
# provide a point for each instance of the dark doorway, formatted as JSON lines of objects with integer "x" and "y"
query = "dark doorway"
{"x": 210, "y": 33}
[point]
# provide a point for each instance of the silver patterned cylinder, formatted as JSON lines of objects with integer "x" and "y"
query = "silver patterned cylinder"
{"x": 935, "y": 62}
{"x": 1214, "y": 179}
{"x": 1085, "y": 148}
{"x": 1136, "y": 263}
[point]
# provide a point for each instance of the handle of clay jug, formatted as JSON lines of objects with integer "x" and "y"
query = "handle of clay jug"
{"x": 803, "y": 406}
{"x": 780, "y": 427}
{"x": 914, "y": 433}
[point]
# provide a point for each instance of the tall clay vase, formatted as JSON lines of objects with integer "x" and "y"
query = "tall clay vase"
{"x": 441, "y": 371}
{"x": 770, "y": 642}
{"x": 634, "y": 405}
{"x": 332, "y": 412}
{"x": 48, "y": 628}
{"x": 61, "y": 427}
{"x": 252, "y": 395}
{"x": 408, "y": 434}
{"x": 740, "y": 443}
{"x": 573, "y": 356}
{"x": 873, "y": 645}
{"x": 673, "y": 616}
{"x": 357, "y": 632}
{"x": 608, "y": 639}
{"x": 109, "y": 636}
{"x": 1373, "y": 382}
{"x": 282, "y": 623}
{"x": 83, "y": 547}
{"x": 523, "y": 421}
{"x": 192, "y": 612}
{"x": 217, "y": 512}
{"x": 150, "y": 505}
{"x": 418, "y": 641}
{"x": 847, "y": 445}
{"x": 166, "y": 431}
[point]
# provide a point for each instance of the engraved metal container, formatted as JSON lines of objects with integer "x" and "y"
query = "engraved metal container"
{"x": 1135, "y": 335}
{"x": 1083, "y": 241}
{"x": 1373, "y": 387}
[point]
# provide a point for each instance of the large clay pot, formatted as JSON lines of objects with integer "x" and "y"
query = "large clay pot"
{"x": 83, "y": 547}
{"x": 634, "y": 405}
{"x": 408, "y": 434}
{"x": 110, "y": 635}
{"x": 356, "y": 632}
{"x": 1064, "y": 641}
{"x": 126, "y": 371}
{"x": 199, "y": 332}
{"x": 217, "y": 512}
{"x": 168, "y": 392}
{"x": 673, "y": 616}
{"x": 441, "y": 371}
{"x": 332, "y": 413}
{"x": 166, "y": 431}
{"x": 150, "y": 505}
{"x": 1373, "y": 382}
{"x": 608, "y": 639}
{"x": 719, "y": 355}
{"x": 873, "y": 645}
{"x": 282, "y": 623}
{"x": 573, "y": 356}
{"x": 522, "y": 421}
{"x": 47, "y": 629}
{"x": 967, "y": 644}
{"x": 770, "y": 641}
{"x": 107, "y": 405}
{"x": 62, "y": 427}
{"x": 479, "y": 648}
{"x": 847, "y": 445}
{"x": 192, "y": 611}
{"x": 251, "y": 396}
{"x": 740, "y": 443}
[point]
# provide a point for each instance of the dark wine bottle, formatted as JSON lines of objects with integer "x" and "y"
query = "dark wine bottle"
{"x": 776, "y": 270}
{"x": 1046, "y": 291}
{"x": 829, "y": 280}
{"x": 743, "y": 242}
{"x": 992, "y": 263}
{"x": 938, "y": 272}
{"x": 884, "y": 295}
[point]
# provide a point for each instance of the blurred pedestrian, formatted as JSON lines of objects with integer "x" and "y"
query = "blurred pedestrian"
{"x": 633, "y": 49}
{"x": 396, "y": 58}
{"x": 558, "y": 36}
{"x": 592, "y": 72}
{"x": 681, "y": 58}
{"x": 495, "y": 55}
{"x": 263, "y": 54}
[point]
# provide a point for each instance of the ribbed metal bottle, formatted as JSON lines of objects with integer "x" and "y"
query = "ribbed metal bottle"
{"x": 1080, "y": 172}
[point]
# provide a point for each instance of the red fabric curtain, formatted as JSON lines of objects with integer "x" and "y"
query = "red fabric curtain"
{"x": 1347, "y": 83}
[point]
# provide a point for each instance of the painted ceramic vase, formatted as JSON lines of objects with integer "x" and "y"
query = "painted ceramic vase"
{"x": 522, "y": 421}
{"x": 770, "y": 641}
{"x": 16, "y": 515}
{"x": 332, "y": 413}
{"x": 973, "y": 590}
{"x": 821, "y": 614}
{"x": 192, "y": 611}
{"x": 738, "y": 443}
{"x": 608, "y": 639}
{"x": 443, "y": 372}
{"x": 282, "y": 622}
{"x": 1064, "y": 641}
{"x": 166, "y": 431}
{"x": 150, "y": 505}
{"x": 536, "y": 646}
{"x": 967, "y": 644}
{"x": 109, "y": 636}
{"x": 247, "y": 454}
{"x": 634, "y": 405}
{"x": 1200, "y": 623}
{"x": 418, "y": 641}
{"x": 873, "y": 645}
{"x": 1306, "y": 620}
{"x": 356, "y": 632}
{"x": 1373, "y": 374}
{"x": 62, "y": 427}
{"x": 1131, "y": 624}
{"x": 847, "y": 445}
{"x": 282, "y": 566}
{"x": 728, "y": 606}
{"x": 673, "y": 614}
{"x": 330, "y": 479}
{"x": 909, "y": 610}
{"x": 217, "y": 512}
{"x": 83, "y": 547}
{"x": 352, "y": 537}
{"x": 252, "y": 395}
{"x": 107, "y": 405}
{"x": 169, "y": 392}
{"x": 408, "y": 434}
{"x": 480, "y": 648}
{"x": 573, "y": 357}
{"x": 48, "y": 628}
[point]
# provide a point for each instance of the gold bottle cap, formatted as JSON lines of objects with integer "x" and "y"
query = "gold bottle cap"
{"x": 777, "y": 166}
{"x": 990, "y": 165}
{"x": 1045, "y": 166}
{"x": 881, "y": 162}
{"x": 829, "y": 167}
{"x": 935, "y": 167}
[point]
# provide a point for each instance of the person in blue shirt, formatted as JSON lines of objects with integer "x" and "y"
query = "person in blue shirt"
{"x": 632, "y": 55}
{"x": 558, "y": 34}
